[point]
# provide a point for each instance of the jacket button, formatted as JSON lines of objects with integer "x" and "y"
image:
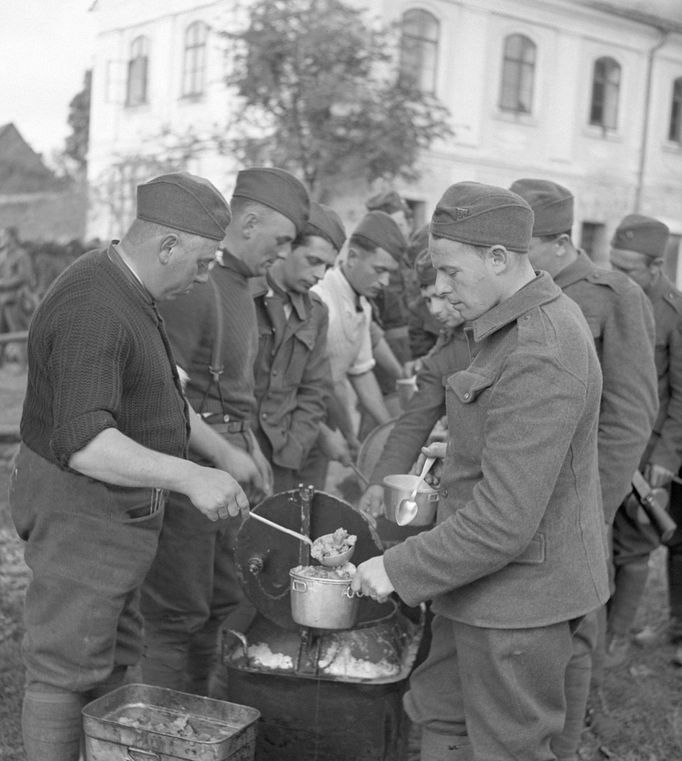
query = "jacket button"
{"x": 467, "y": 395}
{"x": 444, "y": 492}
{"x": 274, "y": 372}
{"x": 264, "y": 416}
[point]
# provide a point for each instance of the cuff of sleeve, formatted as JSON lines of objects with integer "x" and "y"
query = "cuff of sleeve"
{"x": 398, "y": 573}
{"x": 72, "y": 437}
{"x": 362, "y": 368}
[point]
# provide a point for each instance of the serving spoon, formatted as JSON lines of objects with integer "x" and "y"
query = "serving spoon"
{"x": 330, "y": 561}
{"x": 407, "y": 508}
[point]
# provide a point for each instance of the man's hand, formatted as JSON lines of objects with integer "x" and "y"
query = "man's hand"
{"x": 436, "y": 449}
{"x": 372, "y": 501}
{"x": 657, "y": 475}
{"x": 372, "y": 580}
{"x": 239, "y": 464}
{"x": 215, "y": 493}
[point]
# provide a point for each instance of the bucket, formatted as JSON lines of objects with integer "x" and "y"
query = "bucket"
{"x": 322, "y": 603}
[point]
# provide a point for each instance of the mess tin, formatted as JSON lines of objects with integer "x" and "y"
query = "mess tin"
{"x": 399, "y": 487}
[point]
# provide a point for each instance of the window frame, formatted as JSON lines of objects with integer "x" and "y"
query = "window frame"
{"x": 414, "y": 63}
{"x": 195, "y": 45}
{"x": 675, "y": 121}
{"x": 606, "y": 122}
{"x": 524, "y": 76}
{"x": 137, "y": 82}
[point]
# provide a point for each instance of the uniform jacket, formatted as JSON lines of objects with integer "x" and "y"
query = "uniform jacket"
{"x": 520, "y": 538}
{"x": 423, "y": 329}
{"x": 622, "y": 325}
{"x": 665, "y": 447}
{"x": 425, "y": 408}
{"x": 292, "y": 375}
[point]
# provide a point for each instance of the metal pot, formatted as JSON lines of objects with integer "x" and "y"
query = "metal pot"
{"x": 399, "y": 487}
{"x": 322, "y": 603}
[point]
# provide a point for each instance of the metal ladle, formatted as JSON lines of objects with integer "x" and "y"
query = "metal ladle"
{"x": 328, "y": 560}
{"x": 407, "y": 508}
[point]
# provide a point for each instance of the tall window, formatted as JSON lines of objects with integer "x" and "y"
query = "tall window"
{"x": 419, "y": 48}
{"x": 136, "y": 92}
{"x": 518, "y": 74}
{"x": 194, "y": 67}
{"x": 675, "y": 130}
{"x": 605, "y": 90}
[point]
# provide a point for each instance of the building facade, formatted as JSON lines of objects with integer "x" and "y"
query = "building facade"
{"x": 583, "y": 92}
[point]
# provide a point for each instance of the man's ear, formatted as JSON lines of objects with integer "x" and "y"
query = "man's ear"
{"x": 249, "y": 223}
{"x": 499, "y": 259}
{"x": 166, "y": 246}
{"x": 352, "y": 256}
{"x": 560, "y": 243}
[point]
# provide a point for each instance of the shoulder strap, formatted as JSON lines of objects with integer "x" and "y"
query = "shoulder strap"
{"x": 216, "y": 367}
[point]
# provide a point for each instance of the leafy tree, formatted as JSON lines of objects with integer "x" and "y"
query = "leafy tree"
{"x": 76, "y": 144}
{"x": 322, "y": 95}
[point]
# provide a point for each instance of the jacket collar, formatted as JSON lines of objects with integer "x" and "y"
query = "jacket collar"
{"x": 230, "y": 262}
{"x": 299, "y": 301}
{"x": 575, "y": 271}
{"x": 541, "y": 290}
{"x": 129, "y": 276}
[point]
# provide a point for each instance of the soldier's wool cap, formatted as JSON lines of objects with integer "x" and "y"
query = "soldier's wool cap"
{"x": 325, "y": 223}
{"x": 645, "y": 235}
{"x": 417, "y": 242}
{"x": 483, "y": 215}
{"x": 388, "y": 201}
{"x": 277, "y": 189}
{"x": 379, "y": 230}
{"x": 425, "y": 271}
{"x": 552, "y": 205}
{"x": 184, "y": 202}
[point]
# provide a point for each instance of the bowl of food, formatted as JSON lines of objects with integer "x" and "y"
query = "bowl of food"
{"x": 399, "y": 487}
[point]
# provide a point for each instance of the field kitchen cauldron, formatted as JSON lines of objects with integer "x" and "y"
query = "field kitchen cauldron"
{"x": 324, "y": 694}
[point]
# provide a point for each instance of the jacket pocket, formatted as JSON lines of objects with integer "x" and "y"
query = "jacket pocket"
{"x": 535, "y": 553}
{"x": 468, "y": 385}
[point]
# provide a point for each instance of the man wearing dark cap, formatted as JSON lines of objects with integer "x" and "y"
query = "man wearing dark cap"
{"x": 292, "y": 372}
{"x": 517, "y": 556}
{"x": 374, "y": 250}
{"x": 192, "y": 586}
{"x": 390, "y": 202}
{"x": 105, "y": 431}
{"x": 621, "y": 322}
{"x": 638, "y": 249}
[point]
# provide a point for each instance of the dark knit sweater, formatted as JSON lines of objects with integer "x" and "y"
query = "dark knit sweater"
{"x": 191, "y": 324}
{"x": 99, "y": 358}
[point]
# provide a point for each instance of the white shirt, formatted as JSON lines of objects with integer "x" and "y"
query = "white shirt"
{"x": 349, "y": 346}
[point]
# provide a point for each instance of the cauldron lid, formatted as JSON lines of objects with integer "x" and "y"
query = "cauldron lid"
{"x": 264, "y": 555}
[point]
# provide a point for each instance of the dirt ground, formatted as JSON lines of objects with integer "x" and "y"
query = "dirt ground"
{"x": 644, "y": 696}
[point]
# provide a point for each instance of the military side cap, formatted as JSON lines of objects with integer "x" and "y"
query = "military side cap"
{"x": 326, "y": 223}
{"x": 483, "y": 215}
{"x": 417, "y": 242}
{"x": 552, "y": 205}
{"x": 645, "y": 235}
{"x": 377, "y": 229}
{"x": 277, "y": 189}
{"x": 425, "y": 271}
{"x": 186, "y": 203}
{"x": 388, "y": 201}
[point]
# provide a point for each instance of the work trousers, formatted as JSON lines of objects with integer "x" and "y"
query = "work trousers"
{"x": 491, "y": 694}
{"x": 83, "y": 628}
{"x": 675, "y": 563}
{"x": 190, "y": 591}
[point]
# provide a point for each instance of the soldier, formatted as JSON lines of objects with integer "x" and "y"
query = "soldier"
{"x": 292, "y": 371}
{"x": 517, "y": 556}
{"x": 105, "y": 430}
{"x": 621, "y": 322}
{"x": 192, "y": 586}
{"x": 637, "y": 249}
{"x": 374, "y": 250}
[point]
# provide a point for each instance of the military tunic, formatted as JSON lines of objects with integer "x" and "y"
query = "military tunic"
{"x": 622, "y": 324}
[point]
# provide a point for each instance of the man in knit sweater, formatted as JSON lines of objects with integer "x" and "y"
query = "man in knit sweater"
{"x": 105, "y": 431}
{"x": 518, "y": 554}
{"x": 193, "y": 586}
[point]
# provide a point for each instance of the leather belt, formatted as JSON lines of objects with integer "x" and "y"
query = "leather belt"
{"x": 224, "y": 422}
{"x": 156, "y": 501}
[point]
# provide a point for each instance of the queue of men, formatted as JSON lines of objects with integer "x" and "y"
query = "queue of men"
{"x": 219, "y": 353}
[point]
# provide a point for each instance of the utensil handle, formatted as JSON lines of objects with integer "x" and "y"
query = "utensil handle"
{"x": 279, "y": 527}
{"x": 361, "y": 476}
{"x": 426, "y": 467}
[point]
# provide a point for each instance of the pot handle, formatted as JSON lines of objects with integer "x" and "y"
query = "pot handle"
{"x": 137, "y": 754}
{"x": 298, "y": 586}
{"x": 350, "y": 594}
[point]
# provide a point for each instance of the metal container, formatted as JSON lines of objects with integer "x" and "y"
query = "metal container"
{"x": 399, "y": 487}
{"x": 322, "y": 603}
{"x": 220, "y": 731}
